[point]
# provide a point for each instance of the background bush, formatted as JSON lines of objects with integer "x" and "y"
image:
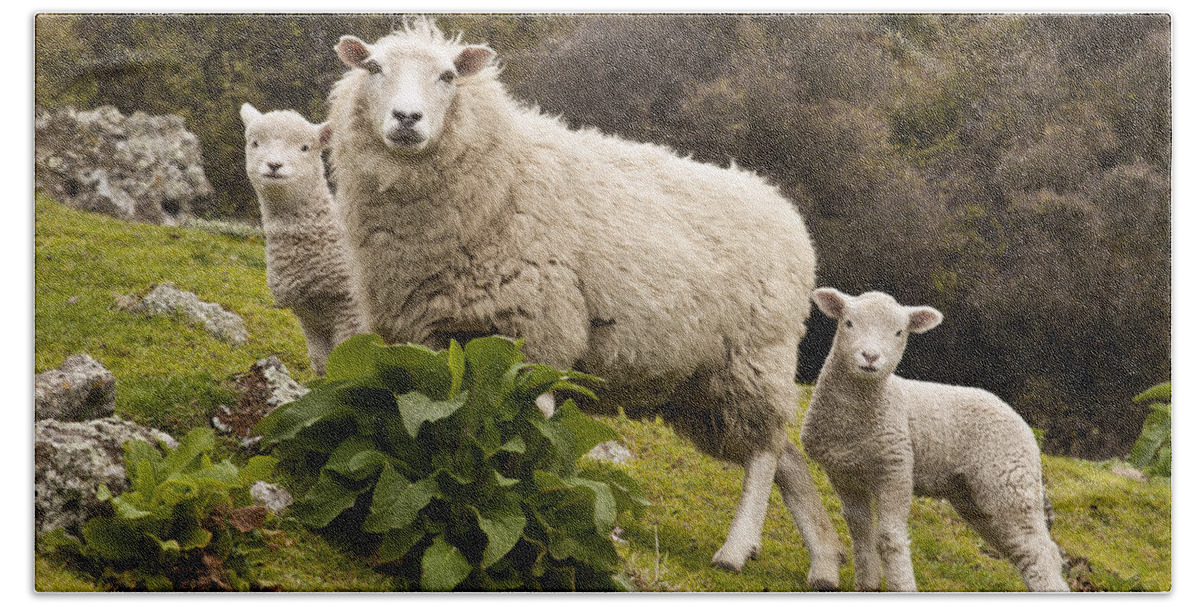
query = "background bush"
{"x": 1012, "y": 170}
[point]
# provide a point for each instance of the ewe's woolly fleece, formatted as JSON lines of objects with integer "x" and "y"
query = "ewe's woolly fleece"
{"x": 307, "y": 263}
{"x": 889, "y": 437}
{"x": 676, "y": 281}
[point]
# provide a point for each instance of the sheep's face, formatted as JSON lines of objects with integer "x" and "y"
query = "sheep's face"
{"x": 282, "y": 148}
{"x": 411, "y": 86}
{"x": 872, "y": 331}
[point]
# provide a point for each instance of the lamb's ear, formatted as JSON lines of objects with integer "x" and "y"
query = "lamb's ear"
{"x": 472, "y": 59}
{"x": 324, "y": 134}
{"x": 352, "y": 51}
{"x": 249, "y": 114}
{"x": 923, "y": 318}
{"x": 831, "y": 301}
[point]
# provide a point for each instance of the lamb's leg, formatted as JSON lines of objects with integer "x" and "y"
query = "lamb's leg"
{"x": 864, "y": 537}
{"x": 745, "y": 533}
{"x": 320, "y": 344}
{"x": 825, "y": 549}
{"x": 894, "y": 505}
{"x": 1018, "y": 530}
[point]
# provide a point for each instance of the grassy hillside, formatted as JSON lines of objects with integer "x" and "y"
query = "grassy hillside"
{"x": 173, "y": 376}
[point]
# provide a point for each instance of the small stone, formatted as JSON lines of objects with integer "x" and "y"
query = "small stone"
{"x": 80, "y": 389}
{"x": 1129, "y": 473}
{"x": 266, "y": 386}
{"x": 165, "y": 300}
{"x": 271, "y": 496}
{"x": 610, "y": 451}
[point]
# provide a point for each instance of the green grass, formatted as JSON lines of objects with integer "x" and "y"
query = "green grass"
{"x": 173, "y": 376}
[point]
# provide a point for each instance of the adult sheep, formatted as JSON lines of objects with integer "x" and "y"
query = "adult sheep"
{"x": 684, "y": 285}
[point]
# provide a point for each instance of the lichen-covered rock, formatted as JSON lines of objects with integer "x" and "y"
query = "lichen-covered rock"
{"x": 610, "y": 451}
{"x": 72, "y": 459}
{"x": 271, "y": 496}
{"x": 266, "y": 386}
{"x": 80, "y": 389}
{"x": 137, "y": 167}
{"x": 166, "y": 299}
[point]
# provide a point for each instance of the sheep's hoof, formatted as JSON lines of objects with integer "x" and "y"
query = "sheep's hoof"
{"x": 823, "y": 584}
{"x": 731, "y": 559}
{"x": 754, "y": 552}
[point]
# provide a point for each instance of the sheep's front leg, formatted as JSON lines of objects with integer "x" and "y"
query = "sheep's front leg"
{"x": 745, "y": 533}
{"x": 816, "y": 530}
{"x": 894, "y": 505}
{"x": 864, "y": 537}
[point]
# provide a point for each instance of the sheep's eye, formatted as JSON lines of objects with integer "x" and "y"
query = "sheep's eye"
{"x": 254, "y": 144}
{"x": 848, "y": 323}
{"x": 373, "y": 67}
{"x": 898, "y": 332}
{"x": 304, "y": 148}
{"x": 448, "y": 76}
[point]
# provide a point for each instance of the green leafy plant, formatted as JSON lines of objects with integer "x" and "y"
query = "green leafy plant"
{"x": 1152, "y": 450}
{"x": 441, "y": 467}
{"x": 184, "y": 524}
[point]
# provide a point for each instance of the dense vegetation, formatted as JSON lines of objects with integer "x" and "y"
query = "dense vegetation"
{"x": 174, "y": 376}
{"x": 1013, "y": 171}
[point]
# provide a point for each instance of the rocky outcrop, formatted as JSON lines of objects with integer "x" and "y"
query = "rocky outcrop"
{"x": 166, "y": 299}
{"x": 137, "y": 167}
{"x": 80, "y": 389}
{"x": 266, "y": 386}
{"x": 72, "y": 459}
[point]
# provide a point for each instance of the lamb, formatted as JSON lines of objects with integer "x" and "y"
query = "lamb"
{"x": 307, "y": 267}
{"x": 881, "y": 438}
{"x": 683, "y": 284}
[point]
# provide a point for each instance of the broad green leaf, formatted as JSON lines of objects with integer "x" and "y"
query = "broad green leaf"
{"x": 443, "y": 566}
{"x": 191, "y": 535}
{"x": 502, "y": 481}
{"x": 587, "y": 431}
{"x": 290, "y": 418}
{"x": 604, "y": 507}
{"x": 629, "y": 496}
{"x": 112, "y": 538}
{"x": 457, "y": 363}
{"x": 410, "y": 367}
{"x": 488, "y": 360}
{"x": 224, "y": 473}
{"x": 257, "y": 469}
{"x": 357, "y": 458}
{"x": 515, "y": 445}
{"x": 190, "y": 447}
{"x": 397, "y": 542}
{"x": 1159, "y": 392}
{"x": 1156, "y": 430}
{"x": 324, "y": 501}
{"x": 397, "y": 502}
{"x": 503, "y": 524}
{"x": 417, "y": 409}
{"x": 559, "y": 436}
{"x": 126, "y": 510}
{"x": 354, "y": 359}
{"x": 142, "y": 462}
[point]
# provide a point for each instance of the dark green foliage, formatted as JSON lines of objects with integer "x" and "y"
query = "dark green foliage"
{"x": 185, "y": 524}
{"x": 442, "y": 468}
{"x": 1152, "y": 450}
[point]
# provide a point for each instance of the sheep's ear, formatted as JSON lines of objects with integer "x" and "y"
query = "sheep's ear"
{"x": 249, "y": 114}
{"x": 472, "y": 59}
{"x": 831, "y": 301}
{"x": 352, "y": 51}
{"x": 324, "y": 134}
{"x": 923, "y": 318}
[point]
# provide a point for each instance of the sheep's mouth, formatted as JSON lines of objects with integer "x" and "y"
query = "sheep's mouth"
{"x": 868, "y": 368}
{"x": 273, "y": 177}
{"x": 405, "y": 137}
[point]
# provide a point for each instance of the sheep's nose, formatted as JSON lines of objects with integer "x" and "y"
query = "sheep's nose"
{"x": 274, "y": 166}
{"x": 870, "y": 357}
{"x": 407, "y": 119}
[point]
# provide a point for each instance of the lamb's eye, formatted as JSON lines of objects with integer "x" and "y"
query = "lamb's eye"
{"x": 373, "y": 67}
{"x": 304, "y": 148}
{"x": 898, "y": 332}
{"x": 448, "y": 76}
{"x": 848, "y": 323}
{"x": 254, "y": 144}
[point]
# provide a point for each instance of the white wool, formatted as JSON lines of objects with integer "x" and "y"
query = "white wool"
{"x": 307, "y": 266}
{"x": 881, "y": 438}
{"x": 683, "y": 284}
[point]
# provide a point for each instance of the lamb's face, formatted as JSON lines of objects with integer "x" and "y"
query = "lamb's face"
{"x": 873, "y": 330}
{"x": 282, "y": 148}
{"x": 410, "y": 86}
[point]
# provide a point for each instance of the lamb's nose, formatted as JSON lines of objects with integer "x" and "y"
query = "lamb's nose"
{"x": 274, "y": 166}
{"x": 870, "y": 357}
{"x": 407, "y": 119}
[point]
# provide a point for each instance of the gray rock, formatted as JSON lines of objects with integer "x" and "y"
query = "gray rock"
{"x": 610, "y": 451}
{"x": 72, "y": 459}
{"x": 271, "y": 496}
{"x": 266, "y": 386}
{"x": 140, "y": 167}
{"x": 165, "y": 299}
{"x": 80, "y": 389}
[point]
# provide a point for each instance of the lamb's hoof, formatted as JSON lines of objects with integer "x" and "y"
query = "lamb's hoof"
{"x": 823, "y": 584}
{"x": 732, "y": 559}
{"x": 754, "y": 551}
